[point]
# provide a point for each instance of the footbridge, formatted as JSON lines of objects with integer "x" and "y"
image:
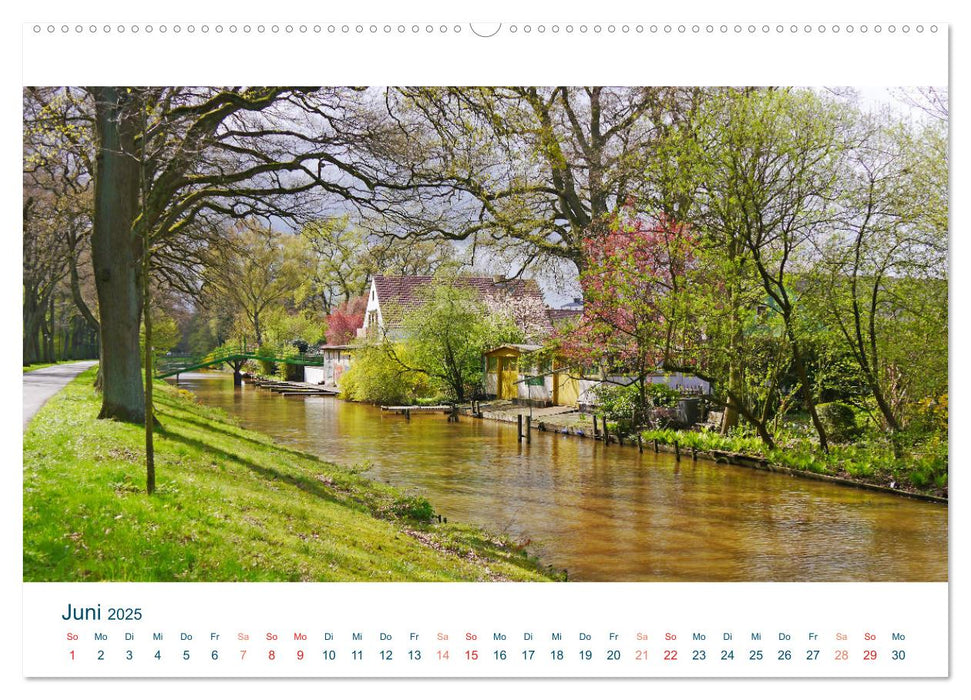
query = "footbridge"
{"x": 235, "y": 357}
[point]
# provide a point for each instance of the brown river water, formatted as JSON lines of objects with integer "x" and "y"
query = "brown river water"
{"x": 610, "y": 513}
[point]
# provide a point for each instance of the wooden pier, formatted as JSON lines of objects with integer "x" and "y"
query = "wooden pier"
{"x": 406, "y": 411}
{"x": 444, "y": 408}
{"x": 294, "y": 388}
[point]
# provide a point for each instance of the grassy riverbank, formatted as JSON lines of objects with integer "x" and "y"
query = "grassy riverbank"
{"x": 920, "y": 471}
{"x": 230, "y": 506}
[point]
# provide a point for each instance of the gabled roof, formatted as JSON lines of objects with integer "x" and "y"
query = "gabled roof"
{"x": 405, "y": 293}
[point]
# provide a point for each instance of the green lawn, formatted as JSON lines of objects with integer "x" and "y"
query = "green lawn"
{"x": 230, "y": 506}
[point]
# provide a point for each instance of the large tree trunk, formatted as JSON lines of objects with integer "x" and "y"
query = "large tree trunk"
{"x": 116, "y": 254}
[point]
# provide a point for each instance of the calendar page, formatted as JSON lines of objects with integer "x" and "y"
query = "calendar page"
{"x": 473, "y": 352}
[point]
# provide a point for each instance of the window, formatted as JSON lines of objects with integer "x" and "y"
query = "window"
{"x": 493, "y": 363}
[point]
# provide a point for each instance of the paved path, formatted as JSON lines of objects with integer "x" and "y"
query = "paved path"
{"x": 41, "y": 384}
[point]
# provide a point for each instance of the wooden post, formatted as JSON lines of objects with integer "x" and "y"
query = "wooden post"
{"x": 677, "y": 451}
{"x": 529, "y": 428}
{"x": 694, "y": 453}
{"x": 606, "y": 432}
{"x": 519, "y": 428}
{"x": 640, "y": 443}
{"x": 407, "y": 414}
{"x": 595, "y": 431}
{"x": 655, "y": 445}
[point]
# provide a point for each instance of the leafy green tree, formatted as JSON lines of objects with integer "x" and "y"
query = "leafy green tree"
{"x": 770, "y": 167}
{"x": 347, "y": 256}
{"x": 447, "y": 335}
{"x": 253, "y": 271}
{"x": 166, "y": 333}
{"x": 883, "y": 272}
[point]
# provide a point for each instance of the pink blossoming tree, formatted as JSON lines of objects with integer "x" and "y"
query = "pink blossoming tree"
{"x": 636, "y": 309}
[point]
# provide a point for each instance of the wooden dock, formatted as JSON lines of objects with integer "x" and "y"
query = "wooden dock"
{"x": 450, "y": 411}
{"x": 446, "y": 408}
{"x": 294, "y": 388}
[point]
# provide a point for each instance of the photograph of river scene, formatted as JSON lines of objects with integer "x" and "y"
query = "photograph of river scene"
{"x": 550, "y": 334}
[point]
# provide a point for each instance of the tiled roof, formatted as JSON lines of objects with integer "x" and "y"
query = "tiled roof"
{"x": 404, "y": 293}
{"x": 558, "y": 316}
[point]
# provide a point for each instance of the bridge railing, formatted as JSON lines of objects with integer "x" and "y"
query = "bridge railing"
{"x": 167, "y": 365}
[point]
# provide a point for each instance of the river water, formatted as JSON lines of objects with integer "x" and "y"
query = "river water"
{"x": 610, "y": 513}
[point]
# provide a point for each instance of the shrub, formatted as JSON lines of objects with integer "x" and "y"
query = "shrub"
{"x": 839, "y": 421}
{"x": 267, "y": 368}
{"x": 436, "y": 400}
{"x": 930, "y": 465}
{"x": 620, "y": 405}
{"x": 623, "y": 405}
{"x": 285, "y": 371}
{"x": 662, "y": 396}
{"x": 413, "y": 508}
{"x": 375, "y": 376}
{"x": 929, "y": 415}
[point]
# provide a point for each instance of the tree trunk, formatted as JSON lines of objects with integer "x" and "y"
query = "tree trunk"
{"x": 735, "y": 389}
{"x": 116, "y": 255}
{"x": 76, "y": 295}
{"x": 42, "y": 326}
{"x": 807, "y": 394}
{"x": 150, "y": 407}
{"x": 82, "y": 306}
{"x": 258, "y": 330}
{"x": 33, "y": 311}
{"x": 888, "y": 415}
{"x": 736, "y": 377}
{"x": 31, "y": 333}
{"x": 50, "y": 330}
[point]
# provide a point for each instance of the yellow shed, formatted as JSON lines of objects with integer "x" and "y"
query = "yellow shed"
{"x": 502, "y": 369}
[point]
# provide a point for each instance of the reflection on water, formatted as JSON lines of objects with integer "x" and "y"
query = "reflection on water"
{"x": 609, "y": 513}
